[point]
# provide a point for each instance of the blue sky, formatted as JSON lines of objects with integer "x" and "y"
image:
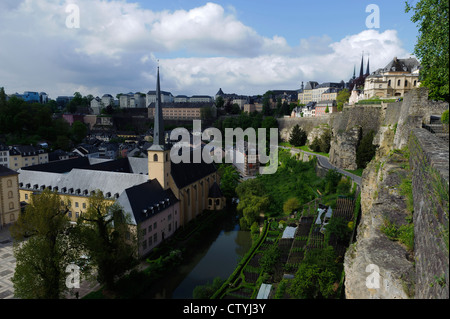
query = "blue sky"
{"x": 244, "y": 47}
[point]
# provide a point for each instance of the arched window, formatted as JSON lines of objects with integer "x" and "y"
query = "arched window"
{"x": 398, "y": 83}
{"x": 11, "y": 205}
{"x": 389, "y": 83}
{"x": 10, "y": 194}
{"x": 155, "y": 158}
{"x": 9, "y": 183}
{"x": 415, "y": 82}
{"x": 406, "y": 83}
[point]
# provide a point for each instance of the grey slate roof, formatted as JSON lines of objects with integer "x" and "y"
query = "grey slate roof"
{"x": 138, "y": 200}
{"x": 83, "y": 180}
{"x": 4, "y": 171}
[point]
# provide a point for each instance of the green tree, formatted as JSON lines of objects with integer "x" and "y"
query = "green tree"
{"x": 103, "y": 232}
{"x": 325, "y": 141}
{"x": 316, "y": 276}
{"x": 79, "y": 131}
{"x": 220, "y": 102}
{"x": 338, "y": 227}
{"x": 332, "y": 179}
{"x": 2, "y": 97}
{"x": 267, "y": 102}
{"x": 342, "y": 98}
{"x": 41, "y": 260}
{"x": 229, "y": 179}
{"x": 208, "y": 290}
{"x": 366, "y": 150}
{"x": 270, "y": 259}
{"x": 298, "y": 136}
{"x": 291, "y": 204}
{"x": 315, "y": 145}
{"x": 432, "y": 45}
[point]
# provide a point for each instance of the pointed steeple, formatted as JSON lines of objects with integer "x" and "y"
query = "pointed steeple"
{"x": 158, "y": 127}
{"x": 361, "y": 74}
{"x": 368, "y": 70}
{"x": 354, "y": 72}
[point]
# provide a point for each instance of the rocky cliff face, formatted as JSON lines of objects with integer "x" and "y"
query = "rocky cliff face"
{"x": 376, "y": 266}
{"x": 343, "y": 148}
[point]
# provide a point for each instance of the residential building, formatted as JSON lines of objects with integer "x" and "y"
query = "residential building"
{"x": 86, "y": 150}
{"x": 107, "y": 100}
{"x": 180, "y": 111}
{"x": 200, "y": 99}
{"x": 306, "y": 92}
{"x": 245, "y": 160}
{"x": 331, "y": 93}
{"x": 97, "y": 105}
{"x": 323, "y": 106}
{"x": 252, "y": 107}
{"x": 394, "y": 80}
{"x": 72, "y": 118}
{"x": 26, "y": 155}
{"x": 9, "y": 196}
{"x": 166, "y": 97}
{"x": 4, "y": 155}
{"x": 181, "y": 99}
{"x": 233, "y": 98}
{"x": 132, "y": 100}
{"x": 289, "y": 96}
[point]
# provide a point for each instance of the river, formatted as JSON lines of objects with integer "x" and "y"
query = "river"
{"x": 218, "y": 256}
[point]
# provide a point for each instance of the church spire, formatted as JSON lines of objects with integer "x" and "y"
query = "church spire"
{"x": 158, "y": 127}
{"x": 361, "y": 71}
{"x": 368, "y": 70}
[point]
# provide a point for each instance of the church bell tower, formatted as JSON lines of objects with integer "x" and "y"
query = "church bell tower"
{"x": 159, "y": 166}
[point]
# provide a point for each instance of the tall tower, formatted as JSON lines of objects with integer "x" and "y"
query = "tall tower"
{"x": 368, "y": 70}
{"x": 159, "y": 165}
{"x": 361, "y": 71}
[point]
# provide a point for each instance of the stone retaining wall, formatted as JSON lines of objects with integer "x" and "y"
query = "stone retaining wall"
{"x": 429, "y": 159}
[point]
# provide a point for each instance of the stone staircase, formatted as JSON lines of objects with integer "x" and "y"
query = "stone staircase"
{"x": 437, "y": 128}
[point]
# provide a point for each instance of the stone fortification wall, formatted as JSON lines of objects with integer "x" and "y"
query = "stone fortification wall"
{"x": 429, "y": 159}
{"x": 402, "y": 273}
{"x": 285, "y": 125}
{"x": 416, "y": 109}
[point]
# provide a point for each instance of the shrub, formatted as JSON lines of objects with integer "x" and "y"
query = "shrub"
{"x": 444, "y": 117}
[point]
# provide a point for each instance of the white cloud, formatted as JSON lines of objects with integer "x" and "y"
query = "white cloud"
{"x": 116, "y": 47}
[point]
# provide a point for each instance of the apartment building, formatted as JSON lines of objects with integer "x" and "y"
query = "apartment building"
{"x": 9, "y": 196}
{"x": 26, "y": 155}
{"x": 4, "y": 155}
{"x": 180, "y": 111}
